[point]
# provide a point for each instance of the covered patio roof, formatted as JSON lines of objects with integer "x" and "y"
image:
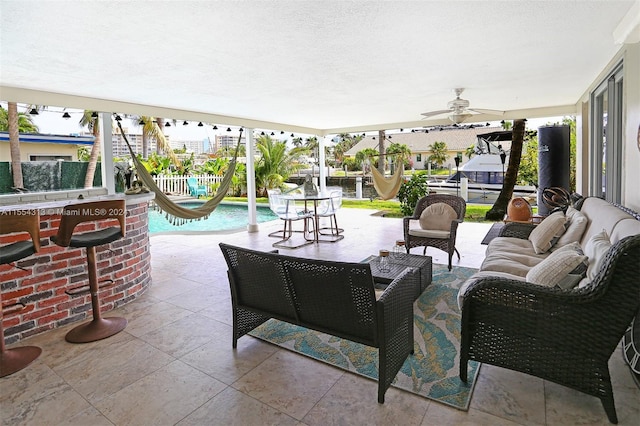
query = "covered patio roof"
{"x": 317, "y": 67}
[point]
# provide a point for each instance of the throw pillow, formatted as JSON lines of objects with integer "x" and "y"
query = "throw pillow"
{"x": 555, "y": 268}
{"x": 438, "y": 216}
{"x": 596, "y": 249}
{"x": 542, "y": 237}
{"x": 577, "y": 223}
{"x": 581, "y": 269}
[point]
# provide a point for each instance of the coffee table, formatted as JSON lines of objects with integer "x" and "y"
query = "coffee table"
{"x": 397, "y": 264}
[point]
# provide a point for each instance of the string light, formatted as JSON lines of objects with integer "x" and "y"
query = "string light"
{"x": 66, "y": 116}
{"x": 34, "y": 111}
{"x": 200, "y": 124}
{"x": 167, "y": 124}
{"x": 185, "y": 123}
{"x": 215, "y": 127}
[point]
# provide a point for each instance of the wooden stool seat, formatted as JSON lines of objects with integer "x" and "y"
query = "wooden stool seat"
{"x": 97, "y": 211}
{"x": 15, "y": 359}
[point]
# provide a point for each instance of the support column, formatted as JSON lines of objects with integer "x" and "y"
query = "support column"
{"x": 251, "y": 182}
{"x": 106, "y": 153}
{"x": 322, "y": 162}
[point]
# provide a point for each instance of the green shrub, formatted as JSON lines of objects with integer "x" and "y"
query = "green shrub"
{"x": 411, "y": 191}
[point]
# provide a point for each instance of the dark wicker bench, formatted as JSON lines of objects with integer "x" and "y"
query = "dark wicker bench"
{"x": 564, "y": 336}
{"x": 336, "y": 298}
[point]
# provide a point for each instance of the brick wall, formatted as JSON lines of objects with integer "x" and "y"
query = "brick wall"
{"x": 54, "y": 272}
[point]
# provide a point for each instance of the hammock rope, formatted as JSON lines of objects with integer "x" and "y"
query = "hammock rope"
{"x": 175, "y": 213}
{"x": 387, "y": 187}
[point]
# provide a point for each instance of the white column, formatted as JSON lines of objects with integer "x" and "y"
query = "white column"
{"x": 106, "y": 153}
{"x": 322, "y": 162}
{"x": 251, "y": 182}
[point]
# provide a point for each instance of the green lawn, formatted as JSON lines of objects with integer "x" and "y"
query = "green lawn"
{"x": 475, "y": 212}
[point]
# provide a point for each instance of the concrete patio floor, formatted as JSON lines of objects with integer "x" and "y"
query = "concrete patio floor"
{"x": 174, "y": 364}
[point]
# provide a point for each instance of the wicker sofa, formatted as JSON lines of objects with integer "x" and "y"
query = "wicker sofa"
{"x": 336, "y": 298}
{"x": 564, "y": 335}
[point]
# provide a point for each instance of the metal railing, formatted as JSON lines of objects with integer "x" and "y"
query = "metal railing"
{"x": 178, "y": 184}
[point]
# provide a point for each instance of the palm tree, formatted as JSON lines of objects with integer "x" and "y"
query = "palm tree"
{"x": 439, "y": 153}
{"x": 401, "y": 152}
{"x": 470, "y": 151}
{"x": 92, "y": 121}
{"x": 499, "y": 208}
{"x": 276, "y": 164}
{"x": 152, "y": 128}
{"x": 365, "y": 155}
{"x": 16, "y": 123}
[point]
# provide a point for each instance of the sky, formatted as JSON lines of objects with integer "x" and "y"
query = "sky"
{"x": 51, "y": 122}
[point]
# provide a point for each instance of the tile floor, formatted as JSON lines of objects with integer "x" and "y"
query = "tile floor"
{"x": 174, "y": 363}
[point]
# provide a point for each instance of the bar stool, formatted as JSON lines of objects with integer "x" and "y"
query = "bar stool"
{"x": 20, "y": 221}
{"x": 72, "y": 215}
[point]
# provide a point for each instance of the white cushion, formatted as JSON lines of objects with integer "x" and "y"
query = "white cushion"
{"x": 438, "y": 217}
{"x": 544, "y": 235}
{"x": 428, "y": 233}
{"x": 596, "y": 249}
{"x": 577, "y": 223}
{"x": 555, "y": 267}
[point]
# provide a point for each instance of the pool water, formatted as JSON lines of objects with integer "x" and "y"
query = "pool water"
{"x": 225, "y": 217}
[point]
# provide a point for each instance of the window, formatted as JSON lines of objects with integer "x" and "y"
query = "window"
{"x": 605, "y": 177}
{"x": 50, "y": 158}
{"x": 418, "y": 158}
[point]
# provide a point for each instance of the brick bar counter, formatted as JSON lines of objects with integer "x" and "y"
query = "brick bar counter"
{"x": 50, "y": 277}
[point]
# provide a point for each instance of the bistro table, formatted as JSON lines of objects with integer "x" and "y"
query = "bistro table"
{"x": 315, "y": 199}
{"x": 398, "y": 263}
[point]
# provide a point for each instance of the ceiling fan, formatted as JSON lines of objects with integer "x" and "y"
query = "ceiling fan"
{"x": 459, "y": 109}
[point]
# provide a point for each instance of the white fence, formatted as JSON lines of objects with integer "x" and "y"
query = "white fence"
{"x": 178, "y": 184}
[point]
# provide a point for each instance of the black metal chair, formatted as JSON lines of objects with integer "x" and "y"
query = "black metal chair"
{"x": 97, "y": 212}
{"x": 18, "y": 222}
{"x": 444, "y": 240}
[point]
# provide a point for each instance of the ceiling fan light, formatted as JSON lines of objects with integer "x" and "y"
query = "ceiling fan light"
{"x": 459, "y": 118}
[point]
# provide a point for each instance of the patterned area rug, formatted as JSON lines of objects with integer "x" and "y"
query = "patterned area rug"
{"x": 432, "y": 372}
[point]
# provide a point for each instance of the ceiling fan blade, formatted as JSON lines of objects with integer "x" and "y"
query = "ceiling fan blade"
{"x": 486, "y": 111}
{"x": 432, "y": 113}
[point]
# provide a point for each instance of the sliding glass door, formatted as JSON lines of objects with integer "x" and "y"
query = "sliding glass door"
{"x": 605, "y": 177}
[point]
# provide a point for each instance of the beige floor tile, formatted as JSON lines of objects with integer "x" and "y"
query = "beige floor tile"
{"x": 146, "y": 317}
{"x": 185, "y": 334}
{"x": 38, "y": 396}
{"x": 105, "y": 371}
{"x": 87, "y": 417}
{"x": 442, "y": 415}
{"x": 219, "y": 360}
{"x": 167, "y": 289}
{"x": 509, "y": 395}
{"x": 162, "y": 398}
{"x": 231, "y": 407}
{"x": 353, "y": 400}
{"x": 289, "y": 382}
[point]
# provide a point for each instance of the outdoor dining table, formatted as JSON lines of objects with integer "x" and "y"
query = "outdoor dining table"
{"x": 315, "y": 199}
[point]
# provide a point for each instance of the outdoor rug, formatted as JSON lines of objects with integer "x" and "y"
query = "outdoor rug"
{"x": 432, "y": 372}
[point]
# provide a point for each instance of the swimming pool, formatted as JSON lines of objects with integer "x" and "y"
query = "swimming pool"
{"x": 226, "y": 217}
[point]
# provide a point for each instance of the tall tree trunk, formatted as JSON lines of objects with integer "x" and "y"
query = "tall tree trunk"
{"x": 499, "y": 208}
{"x": 14, "y": 145}
{"x": 95, "y": 153}
{"x": 160, "y": 122}
{"x": 381, "y": 151}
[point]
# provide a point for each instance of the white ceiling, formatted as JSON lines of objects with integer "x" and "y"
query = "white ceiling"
{"x": 317, "y": 65}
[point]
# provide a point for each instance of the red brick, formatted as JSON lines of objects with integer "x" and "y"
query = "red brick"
{"x": 52, "y": 318}
{"x": 53, "y": 301}
{"x": 36, "y": 279}
{"x": 38, "y": 313}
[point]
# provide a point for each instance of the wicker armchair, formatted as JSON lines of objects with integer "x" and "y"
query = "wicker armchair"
{"x": 566, "y": 337}
{"x": 416, "y": 237}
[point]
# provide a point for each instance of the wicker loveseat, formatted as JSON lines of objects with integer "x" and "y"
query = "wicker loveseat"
{"x": 564, "y": 335}
{"x": 336, "y": 298}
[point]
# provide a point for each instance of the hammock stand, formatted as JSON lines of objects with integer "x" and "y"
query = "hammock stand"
{"x": 387, "y": 187}
{"x": 175, "y": 213}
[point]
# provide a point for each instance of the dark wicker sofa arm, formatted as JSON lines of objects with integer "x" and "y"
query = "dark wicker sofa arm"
{"x": 394, "y": 312}
{"x": 517, "y": 230}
